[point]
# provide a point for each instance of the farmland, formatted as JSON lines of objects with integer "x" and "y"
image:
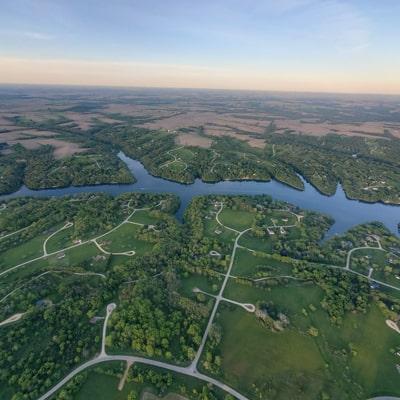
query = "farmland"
{"x": 240, "y": 137}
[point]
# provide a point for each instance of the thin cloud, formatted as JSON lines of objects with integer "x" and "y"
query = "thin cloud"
{"x": 345, "y": 25}
{"x": 35, "y": 35}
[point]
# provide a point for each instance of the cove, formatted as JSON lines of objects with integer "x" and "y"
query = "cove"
{"x": 347, "y": 213}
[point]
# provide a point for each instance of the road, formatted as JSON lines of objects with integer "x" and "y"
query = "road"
{"x": 190, "y": 370}
{"x": 52, "y": 272}
{"x": 66, "y": 226}
{"x": 110, "y": 308}
{"x": 224, "y": 226}
{"x": 13, "y": 318}
{"x": 103, "y": 357}
{"x": 349, "y": 254}
{"x": 218, "y": 298}
{"x": 14, "y": 233}
{"x": 141, "y": 360}
{"x": 126, "y": 220}
{"x": 247, "y": 306}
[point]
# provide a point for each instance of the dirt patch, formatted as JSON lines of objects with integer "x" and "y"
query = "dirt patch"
{"x": 108, "y": 120}
{"x": 122, "y": 381}
{"x": 392, "y": 325}
{"x": 204, "y": 118}
{"x": 12, "y": 137}
{"x": 61, "y": 148}
{"x": 38, "y": 133}
{"x": 14, "y": 318}
{"x": 251, "y": 141}
{"x": 191, "y": 139}
{"x": 83, "y": 121}
{"x": 319, "y": 129}
{"x": 27, "y": 133}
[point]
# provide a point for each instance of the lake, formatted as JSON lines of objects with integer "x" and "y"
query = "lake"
{"x": 347, "y": 213}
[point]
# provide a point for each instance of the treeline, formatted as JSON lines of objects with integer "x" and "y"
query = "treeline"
{"x": 44, "y": 346}
{"x": 38, "y": 169}
{"x": 91, "y": 214}
{"x": 368, "y": 169}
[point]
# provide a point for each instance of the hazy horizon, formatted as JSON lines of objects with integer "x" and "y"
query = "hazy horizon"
{"x": 327, "y": 46}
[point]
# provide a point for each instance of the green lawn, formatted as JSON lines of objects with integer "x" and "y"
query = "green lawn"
{"x": 237, "y": 219}
{"x": 145, "y": 217}
{"x": 24, "y": 252}
{"x": 390, "y": 278}
{"x": 125, "y": 238}
{"x": 175, "y": 166}
{"x": 277, "y": 217}
{"x": 100, "y": 385}
{"x": 184, "y": 154}
{"x": 257, "y": 265}
{"x": 216, "y": 231}
{"x": 364, "y": 259}
{"x": 288, "y": 362}
{"x": 294, "y": 365}
{"x": 204, "y": 283}
{"x": 60, "y": 240}
{"x": 81, "y": 256}
{"x": 256, "y": 243}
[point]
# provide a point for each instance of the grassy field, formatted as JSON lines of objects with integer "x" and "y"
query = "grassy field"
{"x": 145, "y": 217}
{"x": 204, "y": 283}
{"x": 263, "y": 244}
{"x": 86, "y": 256}
{"x": 236, "y": 219}
{"x": 60, "y": 240}
{"x": 253, "y": 355}
{"x": 214, "y": 230}
{"x": 257, "y": 265}
{"x": 185, "y": 154}
{"x": 278, "y": 217}
{"x": 352, "y": 361}
{"x": 125, "y": 239}
{"x": 102, "y": 386}
{"x": 24, "y": 252}
{"x": 364, "y": 259}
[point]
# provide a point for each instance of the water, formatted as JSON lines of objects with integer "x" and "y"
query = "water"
{"x": 347, "y": 213}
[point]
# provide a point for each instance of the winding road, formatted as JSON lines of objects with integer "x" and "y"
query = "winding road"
{"x": 190, "y": 370}
{"x": 103, "y": 357}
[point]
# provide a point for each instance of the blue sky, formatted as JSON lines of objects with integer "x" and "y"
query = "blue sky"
{"x": 282, "y": 42}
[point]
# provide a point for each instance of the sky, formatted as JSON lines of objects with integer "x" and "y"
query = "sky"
{"x": 292, "y": 45}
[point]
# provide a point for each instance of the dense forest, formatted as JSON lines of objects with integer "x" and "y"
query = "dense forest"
{"x": 366, "y": 167}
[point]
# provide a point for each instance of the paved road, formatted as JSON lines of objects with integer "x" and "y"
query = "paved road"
{"x": 52, "y": 272}
{"x": 192, "y": 369}
{"x": 224, "y": 226}
{"x": 154, "y": 363}
{"x": 110, "y": 308}
{"x": 349, "y": 254}
{"x": 14, "y": 233}
{"x": 218, "y": 298}
{"x": 103, "y": 357}
{"x": 66, "y": 226}
{"x": 13, "y": 318}
{"x": 77, "y": 244}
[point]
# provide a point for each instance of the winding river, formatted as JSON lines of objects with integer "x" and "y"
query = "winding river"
{"x": 347, "y": 213}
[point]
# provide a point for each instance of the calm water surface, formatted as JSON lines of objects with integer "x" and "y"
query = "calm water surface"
{"x": 347, "y": 213}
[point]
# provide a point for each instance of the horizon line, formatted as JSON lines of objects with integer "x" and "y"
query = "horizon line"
{"x": 132, "y": 87}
